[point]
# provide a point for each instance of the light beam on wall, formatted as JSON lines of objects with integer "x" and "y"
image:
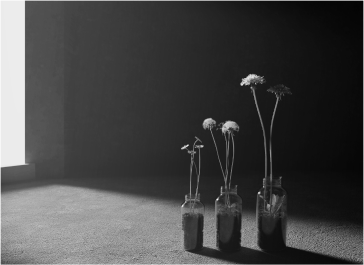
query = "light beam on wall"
{"x": 12, "y": 83}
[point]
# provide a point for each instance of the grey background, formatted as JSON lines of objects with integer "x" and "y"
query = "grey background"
{"x": 119, "y": 87}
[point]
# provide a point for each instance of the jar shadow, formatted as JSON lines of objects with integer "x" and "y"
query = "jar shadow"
{"x": 287, "y": 256}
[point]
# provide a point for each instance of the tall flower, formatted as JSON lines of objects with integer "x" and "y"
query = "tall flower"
{"x": 252, "y": 80}
{"x": 279, "y": 90}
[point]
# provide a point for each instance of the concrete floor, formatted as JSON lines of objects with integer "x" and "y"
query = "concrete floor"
{"x": 124, "y": 220}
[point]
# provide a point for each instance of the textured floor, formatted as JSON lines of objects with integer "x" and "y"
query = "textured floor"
{"x": 137, "y": 220}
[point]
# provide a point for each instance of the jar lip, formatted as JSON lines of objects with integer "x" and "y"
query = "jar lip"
{"x": 233, "y": 188}
{"x": 192, "y": 196}
{"x": 275, "y": 180}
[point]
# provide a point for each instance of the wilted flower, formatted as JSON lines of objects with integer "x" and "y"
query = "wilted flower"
{"x": 230, "y": 126}
{"x": 192, "y": 152}
{"x": 184, "y": 147}
{"x": 252, "y": 79}
{"x": 280, "y": 90}
{"x": 208, "y": 124}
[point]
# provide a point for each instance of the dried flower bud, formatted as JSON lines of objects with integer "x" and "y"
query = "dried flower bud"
{"x": 184, "y": 147}
{"x": 280, "y": 90}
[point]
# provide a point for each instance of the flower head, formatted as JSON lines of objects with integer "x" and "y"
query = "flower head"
{"x": 230, "y": 126}
{"x": 208, "y": 124}
{"x": 280, "y": 90}
{"x": 199, "y": 146}
{"x": 184, "y": 147}
{"x": 252, "y": 80}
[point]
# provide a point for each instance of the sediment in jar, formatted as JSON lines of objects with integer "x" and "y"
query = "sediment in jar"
{"x": 271, "y": 232}
{"x": 192, "y": 226}
{"x": 228, "y": 234}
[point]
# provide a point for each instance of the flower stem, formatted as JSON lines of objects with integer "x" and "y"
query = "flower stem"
{"x": 265, "y": 144}
{"x": 232, "y": 162}
{"x": 192, "y": 161}
{"x": 199, "y": 165}
{"x": 270, "y": 153}
{"x": 198, "y": 174}
{"x": 199, "y": 170}
{"x": 191, "y": 165}
{"x": 217, "y": 152}
{"x": 227, "y": 191}
{"x": 226, "y": 159}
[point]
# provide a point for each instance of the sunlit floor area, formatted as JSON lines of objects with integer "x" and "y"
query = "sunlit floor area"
{"x": 123, "y": 219}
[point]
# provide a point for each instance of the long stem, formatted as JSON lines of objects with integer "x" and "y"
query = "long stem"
{"x": 232, "y": 162}
{"x": 270, "y": 153}
{"x": 226, "y": 159}
{"x": 195, "y": 168}
{"x": 227, "y": 199}
{"x": 198, "y": 173}
{"x": 199, "y": 164}
{"x": 228, "y": 156}
{"x": 191, "y": 178}
{"x": 198, "y": 176}
{"x": 217, "y": 152}
{"x": 193, "y": 161}
{"x": 265, "y": 144}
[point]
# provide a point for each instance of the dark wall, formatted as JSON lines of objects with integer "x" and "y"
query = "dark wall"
{"x": 44, "y": 88}
{"x": 140, "y": 78}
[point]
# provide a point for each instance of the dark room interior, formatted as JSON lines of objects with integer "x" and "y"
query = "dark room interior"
{"x": 113, "y": 90}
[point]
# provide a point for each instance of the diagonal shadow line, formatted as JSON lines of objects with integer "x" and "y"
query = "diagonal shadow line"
{"x": 152, "y": 186}
{"x": 300, "y": 256}
{"x": 8, "y": 261}
{"x": 287, "y": 256}
{"x": 244, "y": 256}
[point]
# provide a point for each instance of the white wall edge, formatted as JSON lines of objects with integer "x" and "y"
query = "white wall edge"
{"x": 17, "y": 173}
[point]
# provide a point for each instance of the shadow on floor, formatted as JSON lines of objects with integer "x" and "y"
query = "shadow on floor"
{"x": 288, "y": 256}
{"x": 4, "y": 261}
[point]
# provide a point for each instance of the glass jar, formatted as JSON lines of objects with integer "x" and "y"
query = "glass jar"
{"x": 228, "y": 209}
{"x": 192, "y": 212}
{"x": 271, "y": 216}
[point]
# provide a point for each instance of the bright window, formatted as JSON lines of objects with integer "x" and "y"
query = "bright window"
{"x": 12, "y": 83}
